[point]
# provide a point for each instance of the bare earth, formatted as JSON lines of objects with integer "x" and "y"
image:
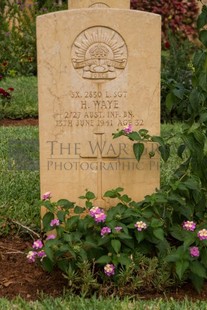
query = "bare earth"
{"x": 20, "y": 278}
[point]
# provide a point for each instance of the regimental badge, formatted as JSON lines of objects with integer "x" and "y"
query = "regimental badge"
{"x": 99, "y": 53}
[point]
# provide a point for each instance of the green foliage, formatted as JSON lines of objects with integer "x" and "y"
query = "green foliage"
{"x": 19, "y": 178}
{"x": 23, "y": 101}
{"x": 165, "y": 234}
{"x": 70, "y": 301}
{"x": 176, "y": 79}
{"x": 18, "y": 35}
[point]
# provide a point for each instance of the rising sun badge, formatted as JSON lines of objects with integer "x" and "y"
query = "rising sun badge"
{"x": 99, "y": 53}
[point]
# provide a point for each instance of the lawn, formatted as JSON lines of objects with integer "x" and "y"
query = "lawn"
{"x": 19, "y": 196}
{"x": 23, "y": 103}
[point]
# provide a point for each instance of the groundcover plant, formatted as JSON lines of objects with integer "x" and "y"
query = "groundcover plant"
{"x": 166, "y": 233}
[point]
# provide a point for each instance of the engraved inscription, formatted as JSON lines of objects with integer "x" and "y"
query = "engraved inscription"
{"x": 101, "y": 108}
{"x": 99, "y": 53}
{"x": 99, "y": 5}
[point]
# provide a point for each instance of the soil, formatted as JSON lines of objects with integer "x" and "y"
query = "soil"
{"x": 18, "y": 277}
{"x": 28, "y": 280}
{"x": 19, "y": 122}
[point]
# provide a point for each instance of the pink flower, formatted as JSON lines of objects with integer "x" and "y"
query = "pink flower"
{"x": 118, "y": 228}
{"x": 31, "y": 256}
{"x": 55, "y": 222}
{"x": 11, "y": 89}
{"x": 109, "y": 270}
{"x": 202, "y": 234}
{"x": 95, "y": 210}
{"x": 128, "y": 129}
{"x": 194, "y": 251}
{"x": 105, "y": 231}
{"x": 189, "y": 225}
{"x": 100, "y": 217}
{"x": 41, "y": 254}
{"x": 51, "y": 237}
{"x": 46, "y": 196}
{"x": 37, "y": 244}
{"x": 98, "y": 214}
{"x": 140, "y": 225}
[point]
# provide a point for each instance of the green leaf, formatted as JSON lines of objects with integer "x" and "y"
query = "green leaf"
{"x": 177, "y": 233}
{"x": 79, "y": 210}
{"x": 49, "y": 252}
{"x": 172, "y": 257}
{"x": 197, "y": 281}
{"x": 116, "y": 245}
{"x": 105, "y": 259}
{"x": 113, "y": 193}
{"x": 90, "y": 195}
{"x": 138, "y": 149}
{"x": 156, "y": 223}
{"x": 135, "y": 136}
{"x": 139, "y": 235}
{"x": 202, "y": 19}
{"x": 61, "y": 215}
{"x": 47, "y": 264}
{"x": 65, "y": 203}
{"x": 169, "y": 102}
{"x": 159, "y": 233}
{"x": 204, "y": 256}
{"x": 89, "y": 204}
{"x": 197, "y": 268}
{"x": 203, "y": 37}
{"x": 165, "y": 152}
{"x": 125, "y": 198}
{"x": 158, "y": 140}
{"x": 179, "y": 91}
{"x": 72, "y": 222}
{"x": 180, "y": 150}
{"x": 47, "y": 218}
{"x": 124, "y": 260}
{"x": 143, "y": 132}
{"x": 181, "y": 266}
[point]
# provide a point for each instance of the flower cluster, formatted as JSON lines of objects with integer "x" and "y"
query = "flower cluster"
{"x": 54, "y": 222}
{"x": 51, "y": 237}
{"x": 202, "y": 234}
{"x": 118, "y": 228}
{"x": 32, "y": 255}
{"x": 140, "y": 225}
{"x": 6, "y": 94}
{"x": 194, "y": 251}
{"x": 128, "y": 129}
{"x": 109, "y": 270}
{"x": 105, "y": 231}
{"x": 189, "y": 225}
{"x": 46, "y": 196}
{"x": 98, "y": 214}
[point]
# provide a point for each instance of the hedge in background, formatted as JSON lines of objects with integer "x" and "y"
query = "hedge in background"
{"x": 179, "y": 16}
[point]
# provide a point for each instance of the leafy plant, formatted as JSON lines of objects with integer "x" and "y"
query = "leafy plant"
{"x": 165, "y": 234}
{"x": 177, "y": 16}
{"x": 18, "y": 35}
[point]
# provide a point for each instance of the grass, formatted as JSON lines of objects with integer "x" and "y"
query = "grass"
{"x": 19, "y": 195}
{"x": 79, "y": 303}
{"x": 19, "y": 173}
{"x": 24, "y": 102}
{"x": 19, "y": 189}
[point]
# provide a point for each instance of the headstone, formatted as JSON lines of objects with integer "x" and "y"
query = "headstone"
{"x": 98, "y": 71}
{"x": 80, "y": 4}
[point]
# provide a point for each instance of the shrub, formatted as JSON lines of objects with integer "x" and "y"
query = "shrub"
{"x": 18, "y": 36}
{"x": 176, "y": 79}
{"x": 177, "y": 16}
{"x": 163, "y": 236}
